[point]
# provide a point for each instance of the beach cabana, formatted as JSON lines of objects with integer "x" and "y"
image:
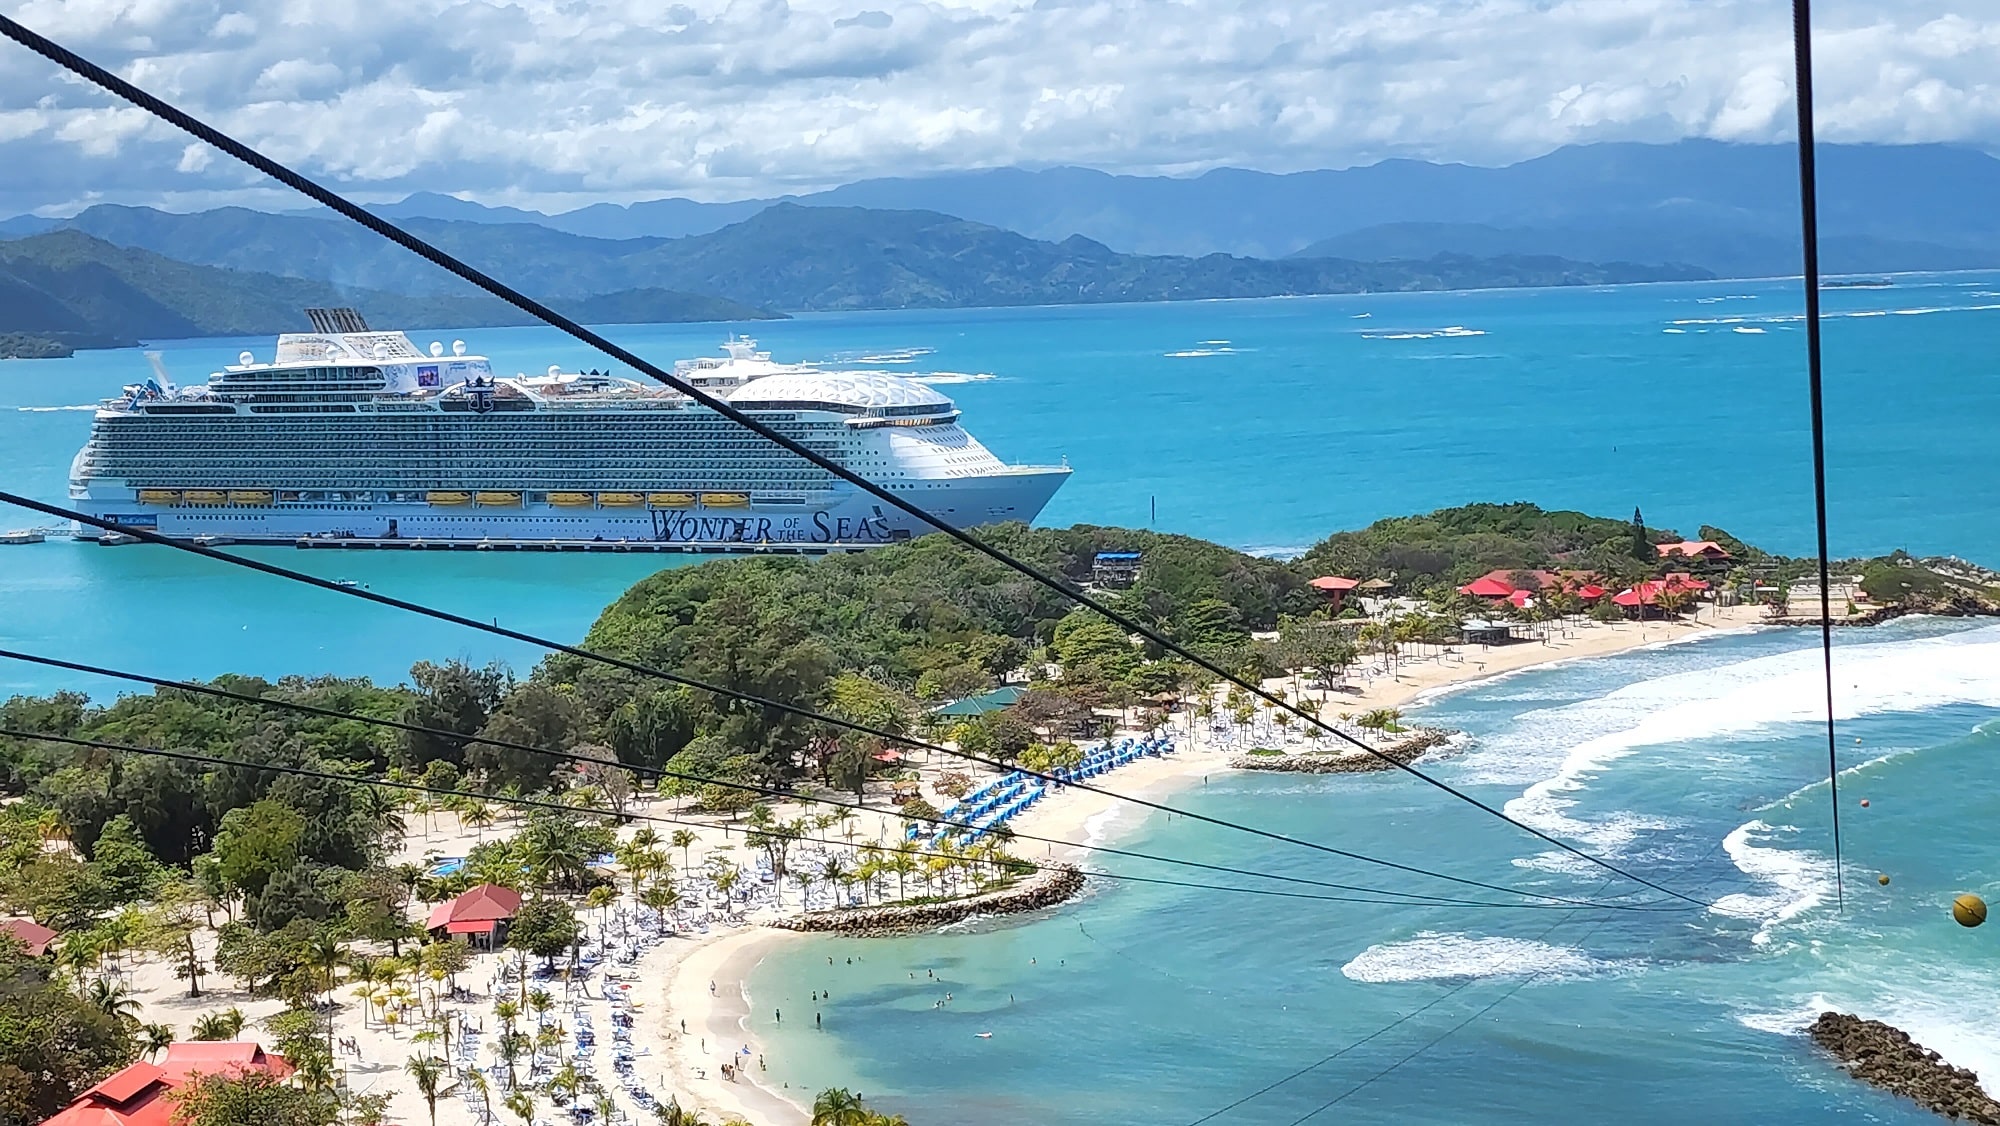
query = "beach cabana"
{"x": 981, "y": 704}
{"x": 29, "y": 933}
{"x": 140, "y": 1094}
{"x": 1335, "y": 587}
{"x": 482, "y": 915}
{"x": 1703, "y": 551}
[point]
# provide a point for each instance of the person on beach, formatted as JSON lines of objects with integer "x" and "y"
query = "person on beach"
{"x": 777, "y": 1016}
{"x": 816, "y": 1023}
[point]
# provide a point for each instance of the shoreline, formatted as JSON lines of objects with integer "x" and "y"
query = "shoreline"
{"x": 715, "y": 1023}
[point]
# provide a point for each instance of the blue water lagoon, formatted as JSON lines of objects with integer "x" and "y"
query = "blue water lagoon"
{"x": 1699, "y": 766}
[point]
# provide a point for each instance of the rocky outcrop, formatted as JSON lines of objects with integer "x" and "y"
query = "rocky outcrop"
{"x": 1045, "y": 888}
{"x": 1886, "y": 1057}
{"x": 1420, "y": 741}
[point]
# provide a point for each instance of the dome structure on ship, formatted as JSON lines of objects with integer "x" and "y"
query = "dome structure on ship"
{"x": 847, "y": 392}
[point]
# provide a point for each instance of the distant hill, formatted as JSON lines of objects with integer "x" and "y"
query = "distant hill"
{"x": 78, "y": 291}
{"x": 804, "y": 258}
{"x": 1727, "y": 207}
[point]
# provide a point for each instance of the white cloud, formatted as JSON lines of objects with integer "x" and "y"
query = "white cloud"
{"x": 543, "y": 100}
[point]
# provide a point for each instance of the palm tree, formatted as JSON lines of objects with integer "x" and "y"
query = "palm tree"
{"x": 113, "y": 1000}
{"x": 155, "y": 1038}
{"x": 834, "y": 872}
{"x": 522, "y": 1104}
{"x": 838, "y": 1106}
{"x": 684, "y": 840}
{"x": 370, "y": 995}
{"x": 225, "y": 1025}
{"x": 477, "y": 1079}
{"x": 324, "y": 953}
{"x": 805, "y": 880}
{"x": 513, "y": 1045}
{"x": 670, "y": 1113}
{"x": 661, "y": 897}
{"x": 428, "y": 1071}
{"x": 725, "y": 876}
{"x": 477, "y": 815}
{"x": 601, "y": 898}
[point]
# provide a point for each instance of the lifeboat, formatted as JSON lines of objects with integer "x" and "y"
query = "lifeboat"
{"x": 498, "y": 500}
{"x": 670, "y": 500}
{"x": 621, "y": 500}
{"x": 570, "y": 500}
{"x": 206, "y": 496}
{"x": 159, "y": 496}
{"x": 250, "y": 496}
{"x": 447, "y": 499}
{"x": 725, "y": 500}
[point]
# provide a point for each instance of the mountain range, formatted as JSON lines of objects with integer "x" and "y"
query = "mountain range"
{"x": 1730, "y": 208}
{"x": 63, "y": 290}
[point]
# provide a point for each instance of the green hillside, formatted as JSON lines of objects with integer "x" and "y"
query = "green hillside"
{"x": 68, "y": 289}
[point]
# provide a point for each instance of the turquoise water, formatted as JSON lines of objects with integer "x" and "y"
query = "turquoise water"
{"x": 1262, "y": 424}
{"x": 1693, "y": 764}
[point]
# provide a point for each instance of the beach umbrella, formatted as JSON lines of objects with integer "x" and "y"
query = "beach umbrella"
{"x": 1969, "y": 910}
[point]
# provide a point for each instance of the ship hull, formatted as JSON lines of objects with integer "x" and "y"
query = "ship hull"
{"x": 850, "y": 519}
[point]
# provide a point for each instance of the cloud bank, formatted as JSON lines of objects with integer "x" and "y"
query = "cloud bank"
{"x": 554, "y": 102}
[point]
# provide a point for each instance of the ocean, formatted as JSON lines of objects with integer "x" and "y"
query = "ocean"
{"x": 1260, "y": 424}
{"x": 1697, "y": 765}
{"x": 1267, "y": 424}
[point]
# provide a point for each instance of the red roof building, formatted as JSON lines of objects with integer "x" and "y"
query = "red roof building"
{"x": 31, "y": 934}
{"x": 1648, "y": 593}
{"x": 1500, "y": 584}
{"x": 1335, "y": 588}
{"x": 1487, "y": 586}
{"x": 137, "y": 1096}
{"x": 1706, "y": 550}
{"x": 485, "y": 910}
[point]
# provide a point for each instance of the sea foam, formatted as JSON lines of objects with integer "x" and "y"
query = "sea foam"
{"x": 1432, "y": 956}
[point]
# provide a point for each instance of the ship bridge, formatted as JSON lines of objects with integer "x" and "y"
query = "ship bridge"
{"x": 868, "y": 398}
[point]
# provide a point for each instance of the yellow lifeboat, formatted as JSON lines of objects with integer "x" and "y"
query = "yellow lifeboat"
{"x": 670, "y": 500}
{"x": 159, "y": 496}
{"x": 447, "y": 499}
{"x": 206, "y": 496}
{"x": 570, "y": 500}
{"x": 498, "y": 500}
{"x": 621, "y": 500}
{"x": 250, "y": 496}
{"x": 725, "y": 500}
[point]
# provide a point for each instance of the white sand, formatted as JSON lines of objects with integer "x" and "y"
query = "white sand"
{"x": 671, "y": 982}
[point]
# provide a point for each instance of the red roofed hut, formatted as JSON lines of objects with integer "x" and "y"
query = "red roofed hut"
{"x": 137, "y": 1096}
{"x": 1703, "y": 551}
{"x": 1487, "y": 586}
{"x": 29, "y": 933}
{"x": 1336, "y": 588}
{"x": 482, "y": 915}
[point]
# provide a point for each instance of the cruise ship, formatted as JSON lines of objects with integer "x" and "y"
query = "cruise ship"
{"x": 348, "y": 433}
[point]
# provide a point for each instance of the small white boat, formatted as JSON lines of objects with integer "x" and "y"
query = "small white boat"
{"x": 348, "y": 584}
{"x": 115, "y": 539}
{"x": 25, "y": 535}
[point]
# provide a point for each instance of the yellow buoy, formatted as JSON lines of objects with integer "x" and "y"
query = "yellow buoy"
{"x": 1883, "y": 879}
{"x": 1969, "y": 910}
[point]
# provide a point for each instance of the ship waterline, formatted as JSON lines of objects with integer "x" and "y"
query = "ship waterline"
{"x": 353, "y": 433}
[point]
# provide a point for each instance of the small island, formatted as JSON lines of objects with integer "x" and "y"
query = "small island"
{"x": 514, "y": 930}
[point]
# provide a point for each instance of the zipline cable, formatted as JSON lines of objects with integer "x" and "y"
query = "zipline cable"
{"x": 779, "y": 792}
{"x": 1809, "y": 224}
{"x": 532, "y": 803}
{"x": 746, "y": 697}
{"x": 110, "y": 82}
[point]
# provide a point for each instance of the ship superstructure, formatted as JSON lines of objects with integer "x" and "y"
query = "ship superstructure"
{"x": 351, "y": 433}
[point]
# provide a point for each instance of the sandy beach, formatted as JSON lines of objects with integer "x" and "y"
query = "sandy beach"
{"x": 672, "y": 999}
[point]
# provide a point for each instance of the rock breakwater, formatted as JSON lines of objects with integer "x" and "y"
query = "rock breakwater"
{"x": 1884, "y": 1056}
{"x": 1045, "y": 888}
{"x": 1420, "y": 741}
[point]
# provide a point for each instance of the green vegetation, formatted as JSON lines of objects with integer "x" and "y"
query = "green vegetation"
{"x": 65, "y": 289}
{"x": 22, "y": 346}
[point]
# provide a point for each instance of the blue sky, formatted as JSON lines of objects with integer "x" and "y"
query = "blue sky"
{"x": 555, "y": 103}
